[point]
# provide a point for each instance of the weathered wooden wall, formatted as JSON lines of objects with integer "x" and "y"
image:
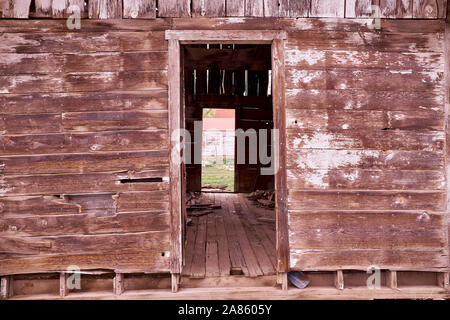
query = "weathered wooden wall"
{"x": 83, "y": 112}
{"x": 366, "y": 149}
{"x": 149, "y": 9}
{"x": 82, "y": 115}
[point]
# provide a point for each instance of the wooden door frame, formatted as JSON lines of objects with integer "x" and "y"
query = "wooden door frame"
{"x": 276, "y": 39}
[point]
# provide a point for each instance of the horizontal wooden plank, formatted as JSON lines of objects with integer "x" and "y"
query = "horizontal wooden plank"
{"x": 84, "y": 162}
{"x": 84, "y": 121}
{"x": 79, "y": 224}
{"x": 82, "y": 102}
{"x": 351, "y": 59}
{"x": 366, "y": 139}
{"x": 115, "y": 120}
{"x": 365, "y": 159}
{"x": 227, "y": 59}
{"x": 81, "y": 183}
{"x": 338, "y": 230}
{"x": 142, "y": 201}
{"x": 84, "y": 142}
{"x": 338, "y": 120}
{"x": 361, "y": 259}
{"x": 36, "y": 205}
{"x": 24, "y": 63}
{"x": 364, "y": 100}
{"x": 150, "y": 261}
{"x": 87, "y": 244}
{"x": 366, "y": 41}
{"x": 31, "y": 123}
{"x": 229, "y": 35}
{"x": 83, "y": 81}
{"x": 227, "y": 101}
{"x": 365, "y": 200}
{"x": 82, "y": 42}
{"x": 370, "y": 80}
{"x": 381, "y": 179}
{"x": 136, "y": 25}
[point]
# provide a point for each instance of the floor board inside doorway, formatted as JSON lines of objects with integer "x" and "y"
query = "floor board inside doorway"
{"x": 238, "y": 238}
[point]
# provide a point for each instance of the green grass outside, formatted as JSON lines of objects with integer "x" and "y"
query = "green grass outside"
{"x": 215, "y": 171}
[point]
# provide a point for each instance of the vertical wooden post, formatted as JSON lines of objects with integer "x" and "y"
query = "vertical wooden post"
{"x": 282, "y": 276}
{"x": 279, "y": 115}
{"x": 447, "y": 128}
{"x": 7, "y": 290}
{"x": 63, "y": 290}
{"x": 444, "y": 280}
{"x": 339, "y": 280}
{"x": 391, "y": 279}
{"x": 118, "y": 284}
{"x": 175, "y": 282}
{"x": 175, "y": 157}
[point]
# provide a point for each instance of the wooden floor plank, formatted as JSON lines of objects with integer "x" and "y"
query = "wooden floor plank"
{"x": 249, "y": 256}
{"x": 198, "y": 263}
{"x": 252, "y": 231}
{"x": 222, "y": 248}
{"x": 229, "y": 240}
{"x": 267, "y": 242}
{"x": 212, "y": 259}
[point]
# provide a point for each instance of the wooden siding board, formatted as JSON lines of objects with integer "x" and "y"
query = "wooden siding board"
{"x": 90, "y": 102}
{"x": 174, "y": 8}
{"x": 84, "y": 162}
{"x": 145, "y": 9}
{"x": 105, "y": 9}
{"x": 365, "y": 200}
{"x": 324, "y": 8}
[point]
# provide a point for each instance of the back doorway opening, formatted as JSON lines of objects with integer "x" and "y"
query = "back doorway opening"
{"x": 229, "y": 221}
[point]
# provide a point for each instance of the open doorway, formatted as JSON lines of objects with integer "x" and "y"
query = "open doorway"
{"x": 218, "y": 150}
{"x": 233, "y": 233}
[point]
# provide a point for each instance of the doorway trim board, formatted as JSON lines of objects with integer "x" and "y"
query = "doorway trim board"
{"x": 177, "y": 38}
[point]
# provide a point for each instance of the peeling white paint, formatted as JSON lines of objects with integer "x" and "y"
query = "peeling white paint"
{"x": 311, "y": 57}
{"x": 400, "y": 72}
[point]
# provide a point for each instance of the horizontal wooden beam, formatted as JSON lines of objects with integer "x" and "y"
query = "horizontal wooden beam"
{"x": 228, "y": 59}
{"x": 206, "y": 36}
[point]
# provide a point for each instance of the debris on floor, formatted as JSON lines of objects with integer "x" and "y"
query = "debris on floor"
{"x": 298, "y": 279}
{"x": 215, "y": 186}
{"x": 264, "y": 198}
{"x": 196, "y": 207}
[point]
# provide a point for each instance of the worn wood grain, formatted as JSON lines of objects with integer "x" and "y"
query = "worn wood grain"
{"x": 367, "y": 139}
{"x": 76, "y": 42}
{"x": 105, "y": 9}
{"x": 87, "y": 81}
{"x": 79, "y": 224}
{"x": 370, "y": 80}
{"x": 174, "y": 8}
{"x": 85, "y": 162}
{"x": 359, "y": 259}
{"x": 80, "y": 183}
{"x": 365, "y": 200}
{"x": 143, "y": 201}
{"x": 12, "y": 63}
{"x": 84, "y": 142}
{"x": 365, "y": 179}
{"x": 322, "y": 8}
{"x": 139, "y": 9}
{"x": 356, "y": 99}
{"x": 332, "y": 121}
{"x": 235, "y": 8}
{"x": 359, "y": 8}
{"x": 366, "y": 230}
{"x": 90, "y": 102}
{"x": 151, "y": 261}
{"x": 365, "y": 159}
